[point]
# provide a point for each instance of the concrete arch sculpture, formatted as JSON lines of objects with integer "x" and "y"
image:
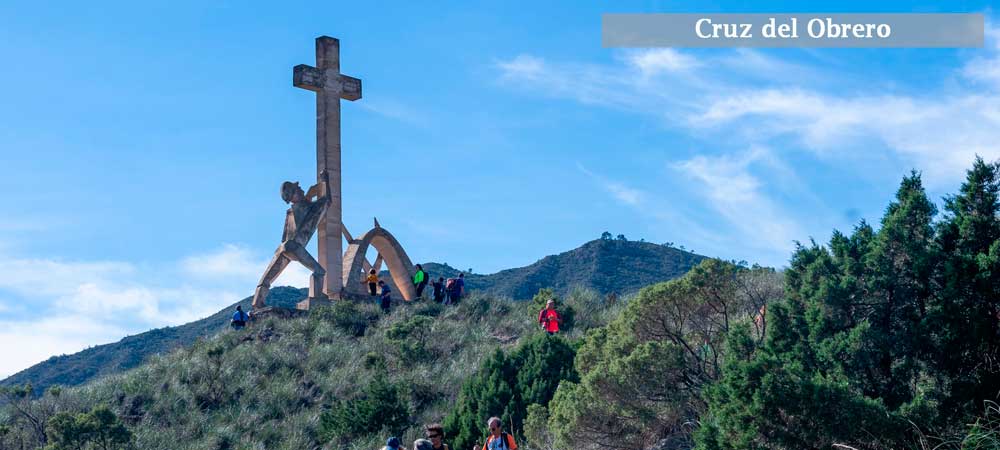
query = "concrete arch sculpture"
{"x": 401, "y": 269}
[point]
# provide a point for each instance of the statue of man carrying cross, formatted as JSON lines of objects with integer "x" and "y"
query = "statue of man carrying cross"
{"x": 330, "y": 87}
{"x": 301, "y": 220}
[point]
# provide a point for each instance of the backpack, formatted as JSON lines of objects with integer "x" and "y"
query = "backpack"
{"x": 450, "y": 284}
{"x": 504, "y": 440}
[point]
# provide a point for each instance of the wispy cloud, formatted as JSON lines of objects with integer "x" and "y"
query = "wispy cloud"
{"x": 662, "y": 60}
{"x": 754, "y": 98}
{"x": 619, "y": 191}
{"x": 737, "y": 195}
{"x": 396, "y": 110}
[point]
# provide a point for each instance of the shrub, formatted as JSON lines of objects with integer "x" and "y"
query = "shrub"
{"x": 380, "y": 406}
{"x": 409, "y": 339}
{"x": 344, "y": 315}
{"x": 97, "y": 429}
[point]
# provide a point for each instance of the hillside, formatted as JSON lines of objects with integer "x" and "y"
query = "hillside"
{"x": 604, "y": 266}
{"x": 269, "y": 386}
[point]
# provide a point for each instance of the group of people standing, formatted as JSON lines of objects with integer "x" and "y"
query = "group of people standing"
{"x": 496, "y": 440}
{"x": 447, "y": 292}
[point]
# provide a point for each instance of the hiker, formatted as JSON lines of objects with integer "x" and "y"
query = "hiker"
{"x": 372, "y": 281}
{"x": 435, "y": 432}
{"x": 239, "y": 319}
{"x": 549, "y": 318}
{"x": 422, "y": 444}
{"x": 393, "y": 444}
{"x": 455, "y": 288}
{"x": 438, "y": 290}
{"x": 498, "y": 439}
{"x": 386, "y": 301}
{"x": 420, "y": 280}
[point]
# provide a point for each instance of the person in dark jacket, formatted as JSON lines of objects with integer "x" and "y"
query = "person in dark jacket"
{"x": 438, "y": 290}
{"x": 386, "y": 299}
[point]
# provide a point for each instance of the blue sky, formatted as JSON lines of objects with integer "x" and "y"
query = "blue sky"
{"x": 142, "y": 146}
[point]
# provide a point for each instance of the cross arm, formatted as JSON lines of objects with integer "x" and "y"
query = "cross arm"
{"x": 310, "y": 78}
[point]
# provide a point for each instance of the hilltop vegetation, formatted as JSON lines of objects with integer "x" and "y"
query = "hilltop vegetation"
{"x": 344, "y": 377}
{"x": 604, "y": 266}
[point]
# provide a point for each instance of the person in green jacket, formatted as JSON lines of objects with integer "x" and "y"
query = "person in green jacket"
{"x": 420, "y": 280}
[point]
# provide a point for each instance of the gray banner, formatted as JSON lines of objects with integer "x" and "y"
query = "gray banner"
{"x": 916, "y": 30}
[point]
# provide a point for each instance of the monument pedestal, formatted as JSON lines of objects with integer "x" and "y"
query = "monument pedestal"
{"x": 313, "y": 302}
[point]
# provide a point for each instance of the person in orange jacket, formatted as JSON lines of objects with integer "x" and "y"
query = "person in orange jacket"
{"x": 498, "y": 439}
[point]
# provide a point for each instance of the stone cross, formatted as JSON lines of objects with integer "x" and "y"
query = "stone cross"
{"x": 330, "y": 86}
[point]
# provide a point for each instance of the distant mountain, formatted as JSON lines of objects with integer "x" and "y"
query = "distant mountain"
{"x": 605, "y": 266}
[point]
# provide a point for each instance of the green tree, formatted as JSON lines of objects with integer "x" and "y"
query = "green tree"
{"x": 505, "y": 385}
{"x": 965, "y": 310}
{"x": 844, "y": 359}
{"x": 27, "y": 412}
{"x": 642, "y": 375}
{"x": 381, "y": 405}
{"x": 99, "y": 429}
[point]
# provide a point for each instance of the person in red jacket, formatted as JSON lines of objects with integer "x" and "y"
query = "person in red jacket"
{"x": 549, "y": 318}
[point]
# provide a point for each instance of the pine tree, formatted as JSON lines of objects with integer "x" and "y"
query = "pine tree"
{"x": 964, "y": 313}
{"x": 505, "y": 385}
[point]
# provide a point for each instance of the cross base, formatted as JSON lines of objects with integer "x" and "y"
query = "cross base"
{"x": 313, "y": 303}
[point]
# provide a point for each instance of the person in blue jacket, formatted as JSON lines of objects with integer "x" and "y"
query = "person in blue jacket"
{"x": 239, "y": 319}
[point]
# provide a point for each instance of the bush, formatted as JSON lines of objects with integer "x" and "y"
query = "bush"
{"x": 344, "y": 315}
{"x": 409, "y": 339}
{"x": 536, "y": 428}
{"x": 430, "y": 310}
{"x": 97, "y": 429}
{"x": 380, "y": 406}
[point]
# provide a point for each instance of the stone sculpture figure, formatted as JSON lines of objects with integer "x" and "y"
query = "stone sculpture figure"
{"x": 301, "y": 221}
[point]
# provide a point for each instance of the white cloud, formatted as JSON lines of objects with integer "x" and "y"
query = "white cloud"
{"x": 28, "y": 343}
{"x": 229, "y": 261}
{"x": 76, "y": 304}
